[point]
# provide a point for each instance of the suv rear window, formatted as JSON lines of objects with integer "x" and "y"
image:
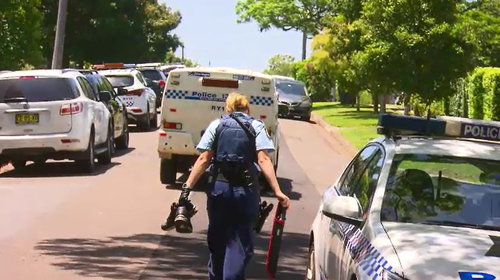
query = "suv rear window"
{"x": 154, "y": 75}
{"x": 36, "y": 89}
{"x": 121, "y": 81}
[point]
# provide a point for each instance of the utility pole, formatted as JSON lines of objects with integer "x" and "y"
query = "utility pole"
{"x": 182, "y": 54}
{"x": 57, "y": 56}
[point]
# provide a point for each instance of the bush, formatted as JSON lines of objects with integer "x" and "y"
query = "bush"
{"x": 483, "y": 93}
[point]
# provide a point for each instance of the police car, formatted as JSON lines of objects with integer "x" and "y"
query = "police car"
{"x": 421, "y": 202}
{"x": 133, "y": 90}
{"x": 196, "y": 96}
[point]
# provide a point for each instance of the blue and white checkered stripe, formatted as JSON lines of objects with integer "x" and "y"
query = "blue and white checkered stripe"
{"x": 261, "y": 100}
{"x": 175, "y": 94}
{"x": 362, "y": 251}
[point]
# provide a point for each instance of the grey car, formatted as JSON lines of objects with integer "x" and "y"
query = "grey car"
{"x": 293, "y": 99}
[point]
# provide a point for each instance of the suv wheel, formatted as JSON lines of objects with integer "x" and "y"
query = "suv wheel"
{"x": 123, "y": 140}
{"x": 88, "y": 163}
{"x": 105, "y": 158}
{"x": 144, "y": 125}
{"x": 154, "y": 122}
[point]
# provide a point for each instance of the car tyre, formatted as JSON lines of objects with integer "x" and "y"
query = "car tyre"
{"x": 123, "y": 141}
{"x": 88, "y": 163}
{"x": 18, "y": 164}
{"x": 154, "y": 122}
{"x": 311, "y": 267}
{"x": 105, "y": 158}
{"x": 168, "y": 171}
{"x": 144, "y": 125}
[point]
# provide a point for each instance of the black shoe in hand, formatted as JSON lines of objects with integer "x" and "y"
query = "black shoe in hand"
{"x": 170, "y": 222}
{"x": 183, "y": 217}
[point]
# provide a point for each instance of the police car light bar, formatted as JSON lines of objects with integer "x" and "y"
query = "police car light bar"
{"x": 444, "y": 126}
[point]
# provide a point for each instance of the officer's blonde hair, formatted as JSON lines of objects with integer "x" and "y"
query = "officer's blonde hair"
{"x": 237, "y": 102}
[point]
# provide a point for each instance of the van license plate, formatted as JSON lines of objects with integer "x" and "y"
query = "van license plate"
{"x": 27, "y": 118}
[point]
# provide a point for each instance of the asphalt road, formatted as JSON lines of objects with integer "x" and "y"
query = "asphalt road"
{"x": 57, "y": 224}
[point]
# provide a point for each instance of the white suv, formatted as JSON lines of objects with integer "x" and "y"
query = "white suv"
{"x": 133, "y": 89}
{"x": 53, "y": 114}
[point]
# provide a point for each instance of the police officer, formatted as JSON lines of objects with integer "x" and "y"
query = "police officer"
{"x": 239, "y": 145}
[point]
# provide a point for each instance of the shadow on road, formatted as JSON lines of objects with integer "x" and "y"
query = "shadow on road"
{"x": 285, "y": 185}
{"x": 170, "y": 256}
{"x": 120, "y": 153}
{"x": 56, "y": 169}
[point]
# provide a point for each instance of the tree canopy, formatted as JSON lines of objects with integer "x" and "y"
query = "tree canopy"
{"x": 96, "y": 31}
{"x": 281, "y": 64}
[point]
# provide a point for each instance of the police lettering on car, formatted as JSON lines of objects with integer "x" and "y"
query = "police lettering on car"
{"x": 237, "y": 147}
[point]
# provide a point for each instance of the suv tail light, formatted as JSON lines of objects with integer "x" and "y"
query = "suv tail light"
{"x": 170, "y": 125}
{"x": 161, "y": 83}
{"x": 71, "y": 109}
{"x": 136, "y": 92}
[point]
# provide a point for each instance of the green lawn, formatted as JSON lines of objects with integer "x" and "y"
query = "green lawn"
{"x": 357, "y": 127}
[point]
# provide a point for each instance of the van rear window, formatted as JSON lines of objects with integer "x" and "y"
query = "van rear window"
{"x": 36, "y": 89}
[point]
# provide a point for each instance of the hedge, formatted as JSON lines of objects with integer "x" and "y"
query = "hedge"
{"x": 483, "y": 92}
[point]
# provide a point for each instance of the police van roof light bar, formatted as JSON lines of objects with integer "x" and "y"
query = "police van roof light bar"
{"x": 442, "y": 126}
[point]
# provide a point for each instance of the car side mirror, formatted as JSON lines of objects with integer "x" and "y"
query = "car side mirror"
{"x": 121, "y": 91}
{"x": 343, "y": 209}
{"x": 105, "y": 96}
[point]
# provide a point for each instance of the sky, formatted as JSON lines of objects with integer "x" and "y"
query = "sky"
{"x": 211, "y": 34}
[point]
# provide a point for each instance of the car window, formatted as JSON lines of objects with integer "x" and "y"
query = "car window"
{"x": 106, "y": 85}
{"x": 36, "y": 89}
{"x": 140, "y": 78}
{"x": 438, "y": 189}
{"x": 151, "y": 74}
{"x": 366, "y": 183}
{"x": 355, "y": 168}
{"x": 87, "y": 88}
{"x": 121, "y": 81}
{"x": 285, "y": 87}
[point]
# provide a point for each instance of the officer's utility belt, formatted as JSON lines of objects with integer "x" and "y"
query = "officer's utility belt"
{"x": 235, "y": 177}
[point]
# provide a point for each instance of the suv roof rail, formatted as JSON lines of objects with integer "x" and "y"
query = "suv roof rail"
{"x": 5, "y": 71}
{"x": 88, "y": 71}
{"x": 66, "y": 70}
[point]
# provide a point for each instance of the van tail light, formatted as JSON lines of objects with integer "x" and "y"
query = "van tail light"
{"x": 171, "y": 125}
{"x": 162, "y": 84}
{"x": 71, "y": 109}
{"x": 26, "y": 77}
{"x": 136, "y": 92}
{"x": 263, "y": 117}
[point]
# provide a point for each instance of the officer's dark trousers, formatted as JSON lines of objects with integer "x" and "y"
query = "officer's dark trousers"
{"x": 232, "y": 212}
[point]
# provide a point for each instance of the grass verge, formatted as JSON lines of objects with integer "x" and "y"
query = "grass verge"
{"x": 357, "y": 127}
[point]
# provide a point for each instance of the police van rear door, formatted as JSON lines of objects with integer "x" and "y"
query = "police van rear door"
{"x": 196, "y": 96}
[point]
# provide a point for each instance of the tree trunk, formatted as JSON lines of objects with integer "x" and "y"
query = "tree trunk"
{"x": 358, "y": 99}
{"x": 375, "y": 103}
{"x": 406, "y": 102}
{"x": 382, "y": 103}
{"x": 304, "y": 45}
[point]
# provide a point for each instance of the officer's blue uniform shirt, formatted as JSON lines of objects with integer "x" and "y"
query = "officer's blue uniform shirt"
{"x": 262, "y": 140}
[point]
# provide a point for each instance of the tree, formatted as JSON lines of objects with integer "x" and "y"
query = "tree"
{"x": 302, "y": 15}
{"x": 20, "y": 33}
{"x": 114, "y": 31}
{"x": 281, "y": 64}
{"x": 484, "y": 19}
{"x": 413, "y": 46}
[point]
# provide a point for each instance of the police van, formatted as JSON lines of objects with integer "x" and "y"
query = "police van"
{"x": 194, "y": 97}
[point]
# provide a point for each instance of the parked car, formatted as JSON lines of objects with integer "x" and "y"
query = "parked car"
{"x": 53, "y": 114}
{"x": 293, "y": 99}
{"x": 101, "y": 86}
{"x": 133, "y": 90}
{"x": 158, "y": 80}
